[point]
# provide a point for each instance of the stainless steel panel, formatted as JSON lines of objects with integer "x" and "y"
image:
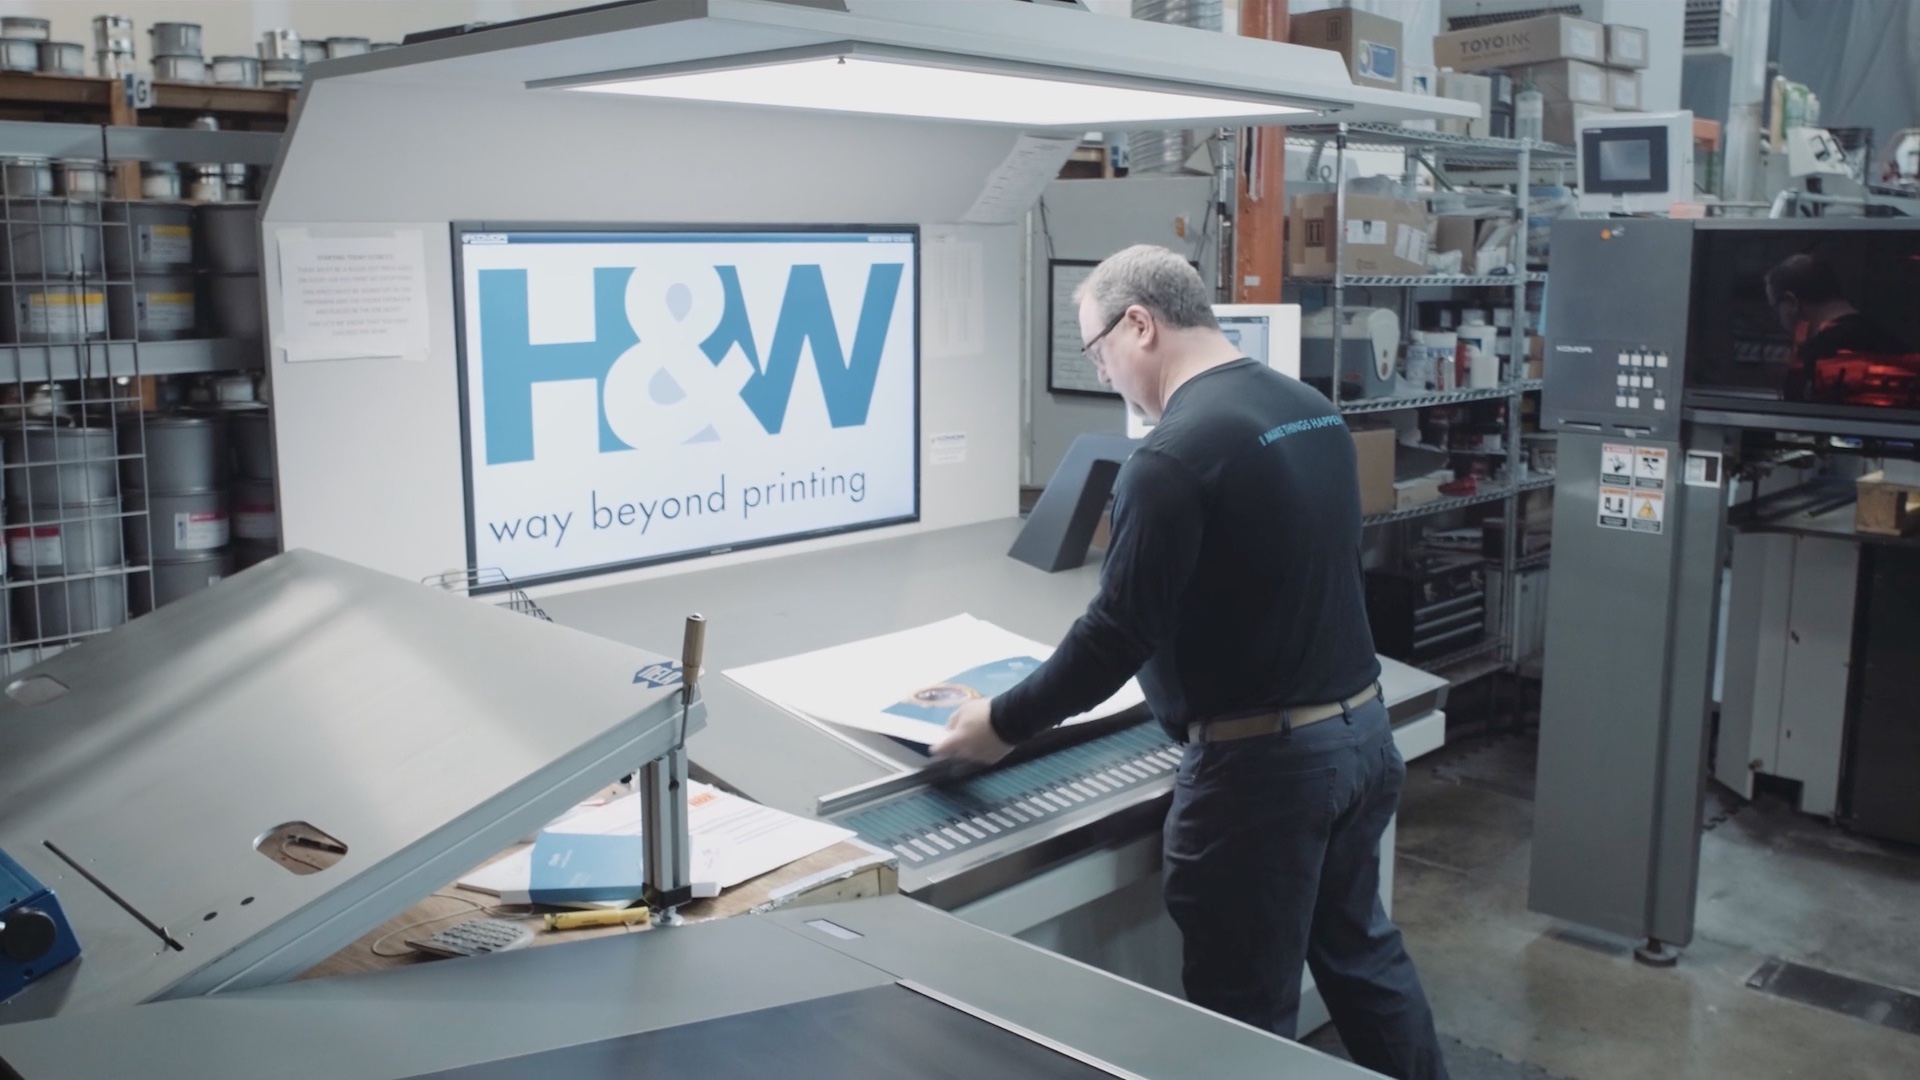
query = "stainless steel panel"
{"x": 415, "y": 1020}
{"x": 1602, "y": 707}
{"x": 425, "y": 730}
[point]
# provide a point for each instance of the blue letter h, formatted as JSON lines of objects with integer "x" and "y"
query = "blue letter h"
{"x": 511, "y": 364}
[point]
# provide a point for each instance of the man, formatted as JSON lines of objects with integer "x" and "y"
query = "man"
{"x": 1233, "y": 588}
{"x": 1804, "y": 293}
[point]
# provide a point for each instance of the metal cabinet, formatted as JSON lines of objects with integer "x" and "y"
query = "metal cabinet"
{"x": 1789, "y": 650}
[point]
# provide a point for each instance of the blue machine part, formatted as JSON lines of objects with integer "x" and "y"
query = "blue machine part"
{"x": 34, "y": 935}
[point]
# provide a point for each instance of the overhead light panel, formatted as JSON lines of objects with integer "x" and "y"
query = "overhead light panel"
{"x": 931, "y": 88}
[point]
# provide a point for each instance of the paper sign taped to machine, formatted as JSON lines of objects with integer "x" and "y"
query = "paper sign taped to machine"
{"x": 907, "y": 684}
{"x": 352, "y": 298}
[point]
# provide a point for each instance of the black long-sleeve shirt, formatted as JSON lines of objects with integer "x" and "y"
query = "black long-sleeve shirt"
{"x": 1232, "y": 584}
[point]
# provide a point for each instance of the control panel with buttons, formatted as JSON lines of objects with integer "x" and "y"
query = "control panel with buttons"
{"x": 1617, "y": 327}
{"x": 1614, "y": 387}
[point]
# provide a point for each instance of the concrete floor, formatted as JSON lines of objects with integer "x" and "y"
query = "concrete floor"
{"x": 1520, "y": 995}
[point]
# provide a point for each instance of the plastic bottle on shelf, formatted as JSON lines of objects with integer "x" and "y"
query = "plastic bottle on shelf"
{"x": 1530, "y": 115}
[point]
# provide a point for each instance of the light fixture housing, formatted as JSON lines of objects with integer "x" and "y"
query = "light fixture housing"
{"x": 857, "y": 77}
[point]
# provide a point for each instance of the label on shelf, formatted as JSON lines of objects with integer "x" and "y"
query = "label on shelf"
{"x": 200, "y": 530}
{"x": 63, "y": 314}
{"x": 164, "y": 312}
{"x": 256, "y": 522}
{"x": 164, "y": 243}
{"x": 36, "y": 545}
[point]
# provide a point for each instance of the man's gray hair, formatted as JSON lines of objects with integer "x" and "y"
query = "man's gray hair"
{"x": 1164, "y": 283}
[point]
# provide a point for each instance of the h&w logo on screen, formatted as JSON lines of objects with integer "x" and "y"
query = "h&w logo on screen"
{"x": 673, "y": 363}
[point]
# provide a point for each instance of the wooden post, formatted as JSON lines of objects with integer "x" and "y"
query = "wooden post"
{"x": 1260, "y": 224}
{"x": 126, "y": 174}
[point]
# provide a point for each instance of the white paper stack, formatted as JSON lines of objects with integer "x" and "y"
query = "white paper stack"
{"x": 907, "y": 684}
{"x": 733, "y": 840}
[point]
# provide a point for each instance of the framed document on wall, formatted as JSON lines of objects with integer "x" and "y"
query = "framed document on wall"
{"x": 1068, "y": 370}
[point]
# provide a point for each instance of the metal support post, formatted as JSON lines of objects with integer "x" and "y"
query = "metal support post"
{"x": 667, "y": 870}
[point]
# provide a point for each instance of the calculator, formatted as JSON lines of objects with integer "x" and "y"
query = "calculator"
{"x": 477, "y": 936}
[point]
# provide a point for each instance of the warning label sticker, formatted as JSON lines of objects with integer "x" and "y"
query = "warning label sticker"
{"x": 1650, "y": 468}
{"x": 1615, "y": 506}
{"x": 1649, "y": 512}
{"x": 1703, "y": 468}
{"x": 1616, "y": 464}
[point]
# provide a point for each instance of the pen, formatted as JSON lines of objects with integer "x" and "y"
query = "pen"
{"x": 579, "y": 920}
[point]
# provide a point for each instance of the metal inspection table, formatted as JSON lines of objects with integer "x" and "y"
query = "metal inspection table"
{"x": 730, "y": 995}
{"x": 1077, "y": 871}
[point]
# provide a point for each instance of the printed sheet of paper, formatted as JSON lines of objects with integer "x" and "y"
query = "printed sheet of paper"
{"x": 1012, "y": 189}
{"x": 733, "y": 839}
{"x": 350, "y": 298}
{"x": 906, "y": 685}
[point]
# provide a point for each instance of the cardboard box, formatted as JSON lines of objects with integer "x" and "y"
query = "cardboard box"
{"x": 1563, "y": 119}
{"x": 1477, "y": 89}
{"x": 1484, "y": 246}
{"x": 1623, "y": 91}
{"x": 1369, "y": 43}
{"x": 1884, "y": 509}
{"x": 1373, "y": 450}
{"x": 1566, "y": 80}
{"x": 1416, "y": 491}
{"x": 1379, "y": 236}
{"x": 1626, "y": 47}
{"x": 1526, "y": 41}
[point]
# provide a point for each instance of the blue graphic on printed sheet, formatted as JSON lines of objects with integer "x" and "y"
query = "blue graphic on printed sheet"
{"x": 934, "y": 704}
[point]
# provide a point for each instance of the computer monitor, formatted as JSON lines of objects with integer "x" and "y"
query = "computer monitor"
{"x": 1269, "y": 333}
{"x": 636, "y": 393}
{"x": 1635, "y": 163}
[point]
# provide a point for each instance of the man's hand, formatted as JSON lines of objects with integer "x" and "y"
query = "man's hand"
{"x": 970, "y": 735}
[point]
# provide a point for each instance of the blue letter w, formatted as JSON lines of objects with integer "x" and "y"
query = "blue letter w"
{"x": 805, "y": 317}
{"x": 511, "y": 364}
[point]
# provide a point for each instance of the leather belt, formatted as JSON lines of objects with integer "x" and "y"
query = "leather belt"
{"x": 1271, "y": 723}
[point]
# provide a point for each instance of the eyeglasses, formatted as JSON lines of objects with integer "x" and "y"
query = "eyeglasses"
{"x": 1087, "y": 349}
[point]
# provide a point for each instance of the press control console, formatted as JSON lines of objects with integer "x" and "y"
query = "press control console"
{"x": 1617, "y": 328}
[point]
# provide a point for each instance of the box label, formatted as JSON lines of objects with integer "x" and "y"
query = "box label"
{"x": 256, "y": 523}
{"x": 1584, "y": 42}
{"x": 1589, "y": 86}
{"x": 200, "y": 530}
{"x": 1377, "y": 61}
{"x": 164, "y": 243}
{"x": 35, "y": 546}
{"x": 1626, "y": 93}
{"x": 64, "y": 314}
{"x": 1629, "y": 46}
{"x": 1411, "y": 244}
{"x": 165, "y": 312}
{"x": 1367, "y": 231}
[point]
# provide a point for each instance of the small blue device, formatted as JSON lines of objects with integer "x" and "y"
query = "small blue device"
{"x": 35, "y": 937}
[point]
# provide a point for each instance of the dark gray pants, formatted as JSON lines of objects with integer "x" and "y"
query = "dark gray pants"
{"x": 1272, "y": 860}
